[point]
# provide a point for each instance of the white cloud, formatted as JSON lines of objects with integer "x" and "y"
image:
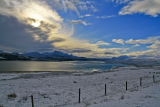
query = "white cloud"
{"x": 150, "y": 40}
{"x": 148, "y": 7}
{"x": 103, "y": 43}
{"x": 87, "y": 15}
{"x": 142, "y": 41}
{"x": 79, "y": 21}
{"x": 121, "y": 41}
{"x": 147, "y": 53}
{"x": 154, "y": 46}
{"x": 105, "y": 17}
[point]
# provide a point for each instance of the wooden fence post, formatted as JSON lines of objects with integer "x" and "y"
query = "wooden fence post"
{"x": 153, "y": 78}
{"x": 32, "y": 100}
{"x": 140, "y": 81}
{"x": 126, "y": 85}
{"x": 105, "y": 90}
{"x": 79, "y": 95}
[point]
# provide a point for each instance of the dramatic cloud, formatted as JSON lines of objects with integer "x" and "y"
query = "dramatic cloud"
{"x": 38, "y": 16}
{"x": 79, "y": 21}
{"x": 15, "y": 38}
{"x": 148, "y": 7}
{"x": 35, "y": 25}
{"x": 102, "y": 43}
{"x": 43, "y": 27}
{"x": 105, "y": 17}
{"x": 121, "y": 41}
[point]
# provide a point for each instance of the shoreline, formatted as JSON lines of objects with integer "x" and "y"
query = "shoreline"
{"x": 46, "y": 74}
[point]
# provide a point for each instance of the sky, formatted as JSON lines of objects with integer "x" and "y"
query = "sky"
{"x": 86, "y": 28}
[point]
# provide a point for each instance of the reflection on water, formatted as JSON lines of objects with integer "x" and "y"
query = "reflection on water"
{"x": 55, "y": 66}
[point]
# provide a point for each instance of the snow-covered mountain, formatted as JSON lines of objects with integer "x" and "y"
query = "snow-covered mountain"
{"x": 46, "y": 56}
{"x": 32, "y": 54}
{"x": 55, "y": 54}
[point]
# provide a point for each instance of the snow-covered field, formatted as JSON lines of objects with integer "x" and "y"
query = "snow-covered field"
{"x": 54, "y": 90}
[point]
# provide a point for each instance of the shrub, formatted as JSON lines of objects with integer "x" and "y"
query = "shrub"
{"x": 122, "y": 97}
{"x": 13, "y": 95}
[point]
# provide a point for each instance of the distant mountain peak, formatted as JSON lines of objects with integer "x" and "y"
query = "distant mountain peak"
{"x": 47, "y": 54}
{"x": 2, "y": 51}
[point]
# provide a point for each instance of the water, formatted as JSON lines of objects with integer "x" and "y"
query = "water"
{"x": 87, "y": 66}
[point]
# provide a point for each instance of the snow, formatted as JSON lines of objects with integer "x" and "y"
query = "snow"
{"x": 5, "y": 76}
{"x": 78, "y": 74}
{"x": 57, "y": 90}
{"x": 1, "y": 57}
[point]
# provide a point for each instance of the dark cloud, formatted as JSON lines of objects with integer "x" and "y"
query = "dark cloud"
{"x": 43, "y": 34}
{"x": 80, "y": 50}
{"x": 48, "y": 26}
{"x": 14, "y": 37}
{"x": 110, "y": 53}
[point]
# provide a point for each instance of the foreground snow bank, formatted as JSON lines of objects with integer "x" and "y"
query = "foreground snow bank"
{"x": 50, "y": 90}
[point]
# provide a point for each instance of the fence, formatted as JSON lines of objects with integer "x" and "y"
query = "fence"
{"x": 86, "y": 96}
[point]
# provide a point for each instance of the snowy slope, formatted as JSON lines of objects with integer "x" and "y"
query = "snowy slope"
{"x": 54, "y": 90}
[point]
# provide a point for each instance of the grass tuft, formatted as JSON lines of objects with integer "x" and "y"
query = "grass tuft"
{"x": 13, "y": 95}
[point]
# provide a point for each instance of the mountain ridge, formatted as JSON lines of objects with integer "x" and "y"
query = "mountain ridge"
{"x": 55, "y": 55}
{"x": 45, "y": 56}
